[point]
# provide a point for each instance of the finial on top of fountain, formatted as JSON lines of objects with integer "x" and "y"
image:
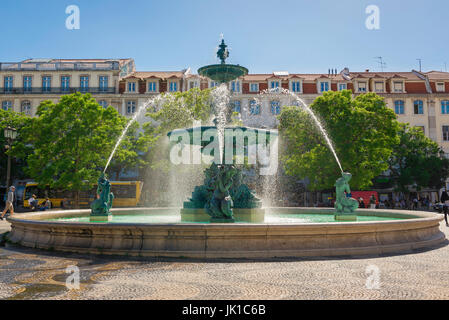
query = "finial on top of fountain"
{"x": 223, "y": 53}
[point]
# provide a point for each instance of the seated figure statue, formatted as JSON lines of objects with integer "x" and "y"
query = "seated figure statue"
{"x": 103, "y": 203}
{"x": 242, "y": 196}
{"x": 220, "y": 205}
{"x": 344, "y": 204}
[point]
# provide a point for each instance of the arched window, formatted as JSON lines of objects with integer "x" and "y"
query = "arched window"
{"x": 275, "y": 107}
{"x": 236, "y": 106}
{"x": 26, "y": 107}
{"x": 399, "y": 107}
{"x": 254, "y": 107}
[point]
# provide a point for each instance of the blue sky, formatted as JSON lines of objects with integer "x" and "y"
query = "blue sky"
{"x": 296, "y": 35}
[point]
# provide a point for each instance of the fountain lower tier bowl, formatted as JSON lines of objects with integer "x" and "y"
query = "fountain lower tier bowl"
{"x": 223, "y": 72}
{"x": 285, "y": 232}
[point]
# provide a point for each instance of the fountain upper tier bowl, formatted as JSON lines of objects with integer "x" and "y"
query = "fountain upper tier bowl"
{"x": 223, "y": 72}
{"x": 250, "y": 136}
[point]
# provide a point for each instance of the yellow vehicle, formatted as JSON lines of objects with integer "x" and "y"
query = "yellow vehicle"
{"x": 126, "y": 194}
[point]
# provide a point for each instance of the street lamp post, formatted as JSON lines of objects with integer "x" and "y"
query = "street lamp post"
{"x": 10, "y": 136}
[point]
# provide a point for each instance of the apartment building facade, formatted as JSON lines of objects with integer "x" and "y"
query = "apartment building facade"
{"x": 419, "y": 98}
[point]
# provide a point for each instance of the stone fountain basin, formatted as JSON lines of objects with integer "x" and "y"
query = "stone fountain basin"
{"x": 253, "y": 241}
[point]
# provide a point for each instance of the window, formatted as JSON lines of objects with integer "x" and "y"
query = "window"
{"x": 274, "y": 85}
{"x": 213, "y": 84}
{"x": 237, "y": 106}
{"x": 324, "y": 86}
{"x": 103, "y": 103}
{"x": 254, "y": 107}
{"x": 379, "y": 86}
{"x": 254, "y": 87}
{"x": 275, "y": 107}
{"x": 84, "y": 83}
{"x": 235, "y": 86}
{"x": 445, "y": 133}
{"x": 173, "y": 87}
{"x": 65, "y": 83}
{"x": 418, "y": 107}
{"x": 131, "y": 87}
{"x": 193, "y": 84}
{"x": 399, "y": 107}
{"x": 103, "y": 83}
{"x": 440, "y": 87}
{"x": 398, "y": 86}
{"x": 46, "y": 84}
{"x": 296, "y": 86}
{"x": 362, "y": 87}
{"x": 445, "y": 107}
{"x": 26, "y": 107}
{"x": 7, "y": 105}
{"x": 8, "y": 83}
{"x": 342, "y": 86}
{"x": 152, "y": 86}
{"x": 130, "y": 107}
{"x": 27, "y": 83}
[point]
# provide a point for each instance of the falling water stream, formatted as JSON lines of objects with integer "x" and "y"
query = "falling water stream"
{"x": 134, "y": 118}
{"x": 312, "y": 114}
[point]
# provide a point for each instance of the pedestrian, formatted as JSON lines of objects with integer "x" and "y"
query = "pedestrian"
{"x": 47, "y": 205}
{"x": 9, "y": 203}
{"x": 361, "y": 203}
{"x": 415, "y": 203}
{"x": 33, "y": 202}
{"x": 372, "y": 202}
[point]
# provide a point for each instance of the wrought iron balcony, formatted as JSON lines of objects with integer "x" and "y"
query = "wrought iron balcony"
{"x": 60, "y": 66}
{"x": 58, "y": 90}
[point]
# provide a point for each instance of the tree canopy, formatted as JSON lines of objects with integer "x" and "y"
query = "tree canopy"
{"x": 72, "y": 140}
{"x": 20, "y": 149}
{"x": 363, "y": 131}
{"x": 417, "y": 161}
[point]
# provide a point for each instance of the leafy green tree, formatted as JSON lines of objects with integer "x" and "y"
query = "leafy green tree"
{"x": 363, "y": 131}
{"x": 130, "y": 155}
{"x": 72, "y": 141}
{"x": 417, "y": 162}
{"x": 19, "y": 149}
{"x": 174, "y": 111}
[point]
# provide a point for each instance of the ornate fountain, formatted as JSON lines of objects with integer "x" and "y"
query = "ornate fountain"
{"x": 223, "y": 196}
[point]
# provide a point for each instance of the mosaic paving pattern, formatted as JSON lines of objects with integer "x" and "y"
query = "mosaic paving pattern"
{"x": 34, "y": 274}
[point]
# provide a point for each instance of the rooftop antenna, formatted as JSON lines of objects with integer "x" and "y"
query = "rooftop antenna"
{"x": 420, "y": 64}
{"x": 381, "y": 63}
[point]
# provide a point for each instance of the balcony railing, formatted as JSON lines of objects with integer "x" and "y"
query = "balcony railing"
{"x": 58, "y": 90}
{"x": 59, "y": 66}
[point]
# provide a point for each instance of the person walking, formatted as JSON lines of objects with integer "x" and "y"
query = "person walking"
{"x": 9, "y": 203}
{"x": 372, "y": 202}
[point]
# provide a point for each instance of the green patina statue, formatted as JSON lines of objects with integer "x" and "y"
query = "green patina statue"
{"x": 103, "y": 203}
{"x": 344, "y": 204}
{"x": 222, "y": 53}
{"x": 219, "y": 206}
{"x": 242, "y": 195}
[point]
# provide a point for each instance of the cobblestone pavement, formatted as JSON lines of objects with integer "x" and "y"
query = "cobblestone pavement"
{"x": 35, "y": 274}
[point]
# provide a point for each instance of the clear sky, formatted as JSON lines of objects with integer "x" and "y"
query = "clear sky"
{"x": 299, "y": 36}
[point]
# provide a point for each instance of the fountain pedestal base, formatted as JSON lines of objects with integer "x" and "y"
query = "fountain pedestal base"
{"x": 255, "y": 215}
{"x": 100, "y": 218}
{"x": 346, "y": 217}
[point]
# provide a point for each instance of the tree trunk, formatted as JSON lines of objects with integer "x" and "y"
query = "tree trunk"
{"x": 77, "y": 199}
